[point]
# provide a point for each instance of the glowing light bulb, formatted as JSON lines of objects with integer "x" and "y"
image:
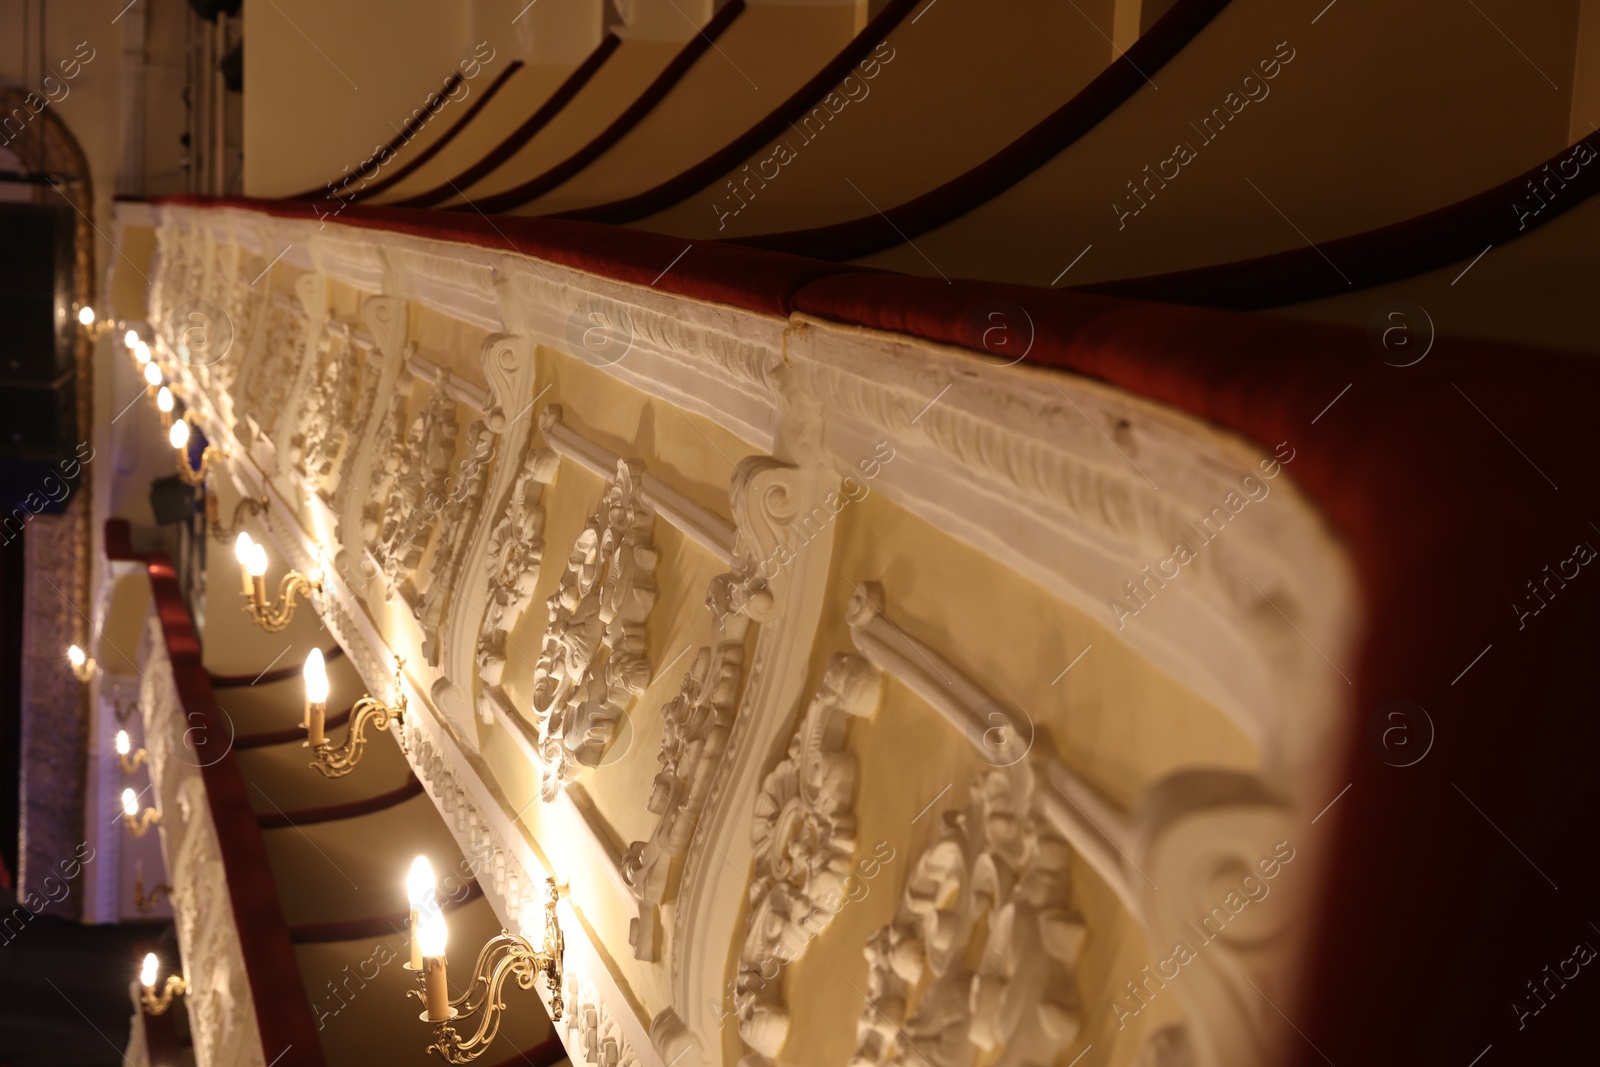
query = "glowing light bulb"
{"x": 420, "y": 885}
{"x": 147, "y": 973}
{"x": 130, "y": 803}
{"x": 316, "y": 676}
{"x": 131, "y": 338}
{"x": 258, "y": 561}
{"x": 179, "y": 434}
{"x": 164, "y": 399}
{"x": 241, "y": 548}
{"x": 432, "y": 934}
{"x": 76, "y": 656}
{"x": 141, "y": 352}
{"x": 122, "y": 742}
{"x": 86, "y": 315}
{"x": 152, "y": 374}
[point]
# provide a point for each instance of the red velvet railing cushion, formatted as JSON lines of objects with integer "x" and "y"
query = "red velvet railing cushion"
{"x": 1447, "y": 517}
{"x": 283, "y": 1013}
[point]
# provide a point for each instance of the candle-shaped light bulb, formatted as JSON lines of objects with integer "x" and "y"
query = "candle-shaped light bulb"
{"x": 131, "y": 338}
{"x": 431, "y": 936}
{"x": 86, "y": 315}
{"x": 316, "y": 678}
{"x": 141, "y": 352}
{"x": 258, "y": 561}
{"x": 164, "y": 399}
{"x": 241, "y": 552}
{"x": 130, "y": 803}
{"x": 147, "y": 972}
{"x": 152, "y": 374}
{"x": 122, "y": 742}
{"x": 420, "y": 892}
{"x": 179, "y": 434}
{"x": 76, "y": 656}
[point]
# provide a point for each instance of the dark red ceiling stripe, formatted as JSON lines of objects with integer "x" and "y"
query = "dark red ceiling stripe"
{"x": 513, "y": 143}
{"x": 1389, "y": 253}
{"x": 372, "y": 926}
{"x": 722, "y": 161}
{"x": 278, "y": 820}
{"x": 393, "y": 144}
{"x": 236, "y": 681}
{"x": 1125, "y": 76}
{"x": 439, "y": 144}
{"x": 681, "y": 64}
{"x": 285, "y": 736}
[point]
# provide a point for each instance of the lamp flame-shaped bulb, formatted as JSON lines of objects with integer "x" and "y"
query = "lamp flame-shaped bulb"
{"x": 420, "y": 885}
{"x": 86, "y": 315}
{"x": 164, "y": 399}
{"x": 152, "y": 374}
{"x": 241, "y": 548}
{"x": 258, "y": 561}
{"x": 130, "y": 803}
{"x": 147, "y": 972}
{"x": 76, "y": 656}
{"x": 432, "y": 934}
{"x": 179, "y": 434}
{"x": 122, "y": 742}
{"x": 316, "y": 676}
{"x": 141, "y": 352}
{"x": 131, "y": 338}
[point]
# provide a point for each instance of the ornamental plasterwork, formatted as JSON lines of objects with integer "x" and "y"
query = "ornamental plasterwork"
{"x": 327, "y": 412}
{"x": 420, "y": 467}
{"x": 592, "y": 1034}
{"x": 695, "y": 728}
{"x": 804, "y": 835}
{"x": 456, "y": 518}
{"x": 516, "y": 552}
{"x": 593, "y": 660}
{"x": 980, "y": 959}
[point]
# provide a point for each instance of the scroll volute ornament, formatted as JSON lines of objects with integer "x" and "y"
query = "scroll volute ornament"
{"x": 766, "y": 496}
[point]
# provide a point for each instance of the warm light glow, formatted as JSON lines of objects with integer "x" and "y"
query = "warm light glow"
{"x": 86, "y": 315}
{"x": 122, "y": 742}
{"x": 258, "y": 561}
{"x": 179, "y": 434}
{"x": 147, "y": 973}
{"x": 432, "y": 934}
{"x": 152, "y": 374}
{"x": 141, "y": 352}
{"x": 130, "y": 803}
{"x": 76, "y": 656}
{"x": 241, "y": 548}
{"x": 131, "y": 338}
{"x": 420, "y": 885}
{"x": 164, "y": 398}
{"x": 316, "y": 676}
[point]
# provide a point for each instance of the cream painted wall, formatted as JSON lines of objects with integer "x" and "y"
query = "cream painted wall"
{"x": 326, "y": 83}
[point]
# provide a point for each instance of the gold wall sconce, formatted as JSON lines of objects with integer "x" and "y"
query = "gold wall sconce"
{"x": 144, "y": 902}
{"x": 368, "y": 711}
{"x": 178, "y": 437}
{"x": 84, "y": 668}
{"x": 130, "y": 763}
{"x": 157, "y": 1003}
{"x": 231, "y": 531}
{"x": 271, "y": 617}
{"x": 506, "y": 956}
{"x": 138, "y": 822}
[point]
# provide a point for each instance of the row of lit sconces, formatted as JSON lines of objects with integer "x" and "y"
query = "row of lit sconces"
{"x": 506, "y": 956}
